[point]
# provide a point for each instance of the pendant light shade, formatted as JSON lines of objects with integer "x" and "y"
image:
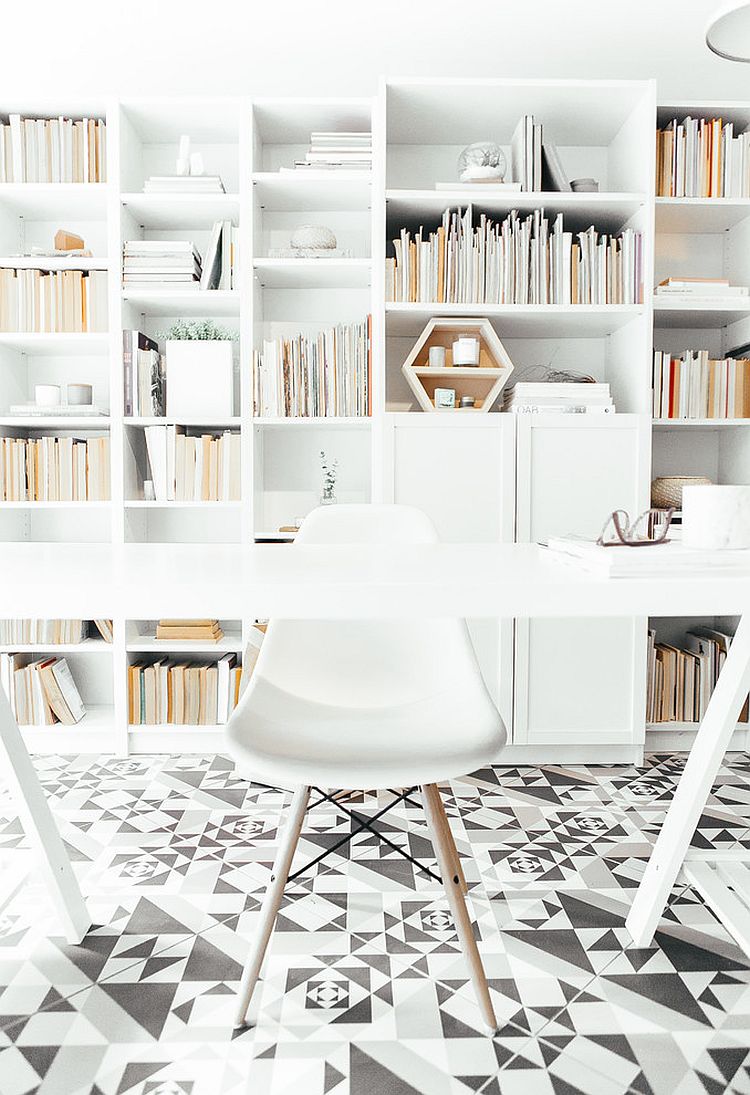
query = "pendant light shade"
{"x": 728, "y": 33}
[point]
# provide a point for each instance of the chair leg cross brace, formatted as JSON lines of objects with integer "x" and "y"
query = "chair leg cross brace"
{"x": 452, "y": 878}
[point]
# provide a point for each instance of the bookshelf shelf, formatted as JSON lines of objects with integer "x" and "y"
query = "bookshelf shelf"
{"x": 231, "y": 643}
{"x": 55, "y": 342}
{"x": 88, "y": 646}
{"x": 313, "y": 273}
{"x": 308, "y": 192}
{"x": 700, "y": 423}
{"x": 53, "y": 262}
{"x": 177, "y": 211}
{"x": 340, "y": 421}
{"x": 700, "y": 216}
{"x": 55, "y": 505}
{"x": 519, "y": 320}
{"x": 141, "y": 503}
{"x": 184, "y": 302}
{"x": 209, "y": 423}
{"x": 46, "y": 201}
{"x": 669, "y": 313}
{"x": 63, "y": 422}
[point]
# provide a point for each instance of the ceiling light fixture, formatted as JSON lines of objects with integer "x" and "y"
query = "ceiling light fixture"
{"x": 728, "y": 33}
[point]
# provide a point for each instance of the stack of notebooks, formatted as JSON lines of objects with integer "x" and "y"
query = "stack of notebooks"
{"x": 42, "y": 691}
{"x": 681, "y": 679}
{"x": 51, "y": 632}
{"x": 207, "y": 631}
{"x": 32, "y": 299}
{"x": 554, "y": 398}
{"x": 144, "y": 376}
{"x": 327, "y": 374}
{"x": 183, "y": 184}
{"x": 654, "y": 561}
{"x": 337, "y": 152}
{"x": 54, "y": 469}
{"x": 53, "y": 150}
{"x": 695, "y": 385}
{"x": 150, "y": 263}
{"x": 716, "y": 290}
{"x": 183, "y": 693}
{"x": 520, "y": 260}
{"x": 186, "y": 467}
{"x": 702, "y": 158}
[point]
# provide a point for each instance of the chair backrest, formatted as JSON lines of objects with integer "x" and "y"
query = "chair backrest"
{"x": 367, "y": 663}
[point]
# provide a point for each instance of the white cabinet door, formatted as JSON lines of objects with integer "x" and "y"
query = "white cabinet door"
{"x": 462, "y": 474}
{"x": 579, "y": 681}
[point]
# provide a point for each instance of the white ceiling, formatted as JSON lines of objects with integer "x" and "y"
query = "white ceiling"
{"x": 277, "y": 47}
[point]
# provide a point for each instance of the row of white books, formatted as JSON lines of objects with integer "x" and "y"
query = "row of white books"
{"x": 328, "y": 374}
{"x": 558, "y": 398}
{"x": 193, "y": 467}
{"x": 53, "y": 150}
{"x": 702, "y": 158}
{"x": 62, "y": 300}
{"x": 53, "y": 632}
{"x": 682, "y": 678}
{"x": 41, "y": 691}
{"x": 183, "y": 184}
{"x": 181, "y": 693}
{"x": 54, "y": 469}
{"x": 521, "y": 260}
{"x": 337, "y": 151}
{"x": 695, "y": 385}
{"x": 144, "y": 376}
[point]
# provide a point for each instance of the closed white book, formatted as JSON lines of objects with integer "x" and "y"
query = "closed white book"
{"x": 156, "y": 446}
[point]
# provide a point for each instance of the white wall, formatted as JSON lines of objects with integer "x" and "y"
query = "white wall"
{"x": 276, "y": 47}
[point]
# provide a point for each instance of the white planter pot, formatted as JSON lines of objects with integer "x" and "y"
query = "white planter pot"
{"x": 200, "y": 381}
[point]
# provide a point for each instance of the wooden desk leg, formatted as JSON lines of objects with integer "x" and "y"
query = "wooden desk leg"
{"x": 692, "y": 791}
{"x": 39, "y": 826}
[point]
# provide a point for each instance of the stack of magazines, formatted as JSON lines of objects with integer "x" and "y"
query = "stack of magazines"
{"x": 552, "y": 398}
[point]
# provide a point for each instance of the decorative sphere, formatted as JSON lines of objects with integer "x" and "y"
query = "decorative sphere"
{"x": 482, "y": 160}
{"x": 314, "y": 237}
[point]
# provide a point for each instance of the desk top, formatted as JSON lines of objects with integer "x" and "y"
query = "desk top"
{"x": 232, "y": 581}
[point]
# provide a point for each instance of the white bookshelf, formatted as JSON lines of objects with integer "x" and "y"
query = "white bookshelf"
{"x": 602, "y": 128}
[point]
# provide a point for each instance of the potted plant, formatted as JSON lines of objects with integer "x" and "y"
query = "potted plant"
{"x": 200, "y": 373}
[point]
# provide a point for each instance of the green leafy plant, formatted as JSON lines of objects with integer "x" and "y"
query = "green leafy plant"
{"x": 204, "y": 330}
{"x": 330, "y": 471}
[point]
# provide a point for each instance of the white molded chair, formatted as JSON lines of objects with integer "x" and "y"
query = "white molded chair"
{"x": 366, "y": 705}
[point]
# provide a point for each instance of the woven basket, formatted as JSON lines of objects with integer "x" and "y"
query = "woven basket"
{"x": 667, "y": 490}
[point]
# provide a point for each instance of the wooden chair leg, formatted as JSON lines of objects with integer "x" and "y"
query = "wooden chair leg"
{"x": 446, "y": 853}
{"x": 457, "y": 871}
{"x": 272, "y": 901}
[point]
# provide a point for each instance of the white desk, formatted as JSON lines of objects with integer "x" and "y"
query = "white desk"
{"x": 471, "y": 580}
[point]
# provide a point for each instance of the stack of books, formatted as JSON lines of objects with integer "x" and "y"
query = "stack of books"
{"x": 521, "y": 260}
{"x": 700, "y": 289}
{"x": 150, "y": 263}
{"x": 54, "y": 469}
{"x": 61, "y": 300}
{"x": 41, "y": 692}
{"x": 53, "y": 150}
{"x": 183, "y": 693}
{"x": 144, "y": 376}
{"x": 702, "y": 158}
{"x": 337, "y": 152}
{"x": 526, "y": 154}
{"x": 553, "y": 398}
{"x": 207, "y": 631}
{"x": 695, "y": 385}
{"x": 189, "y": 467}
{"x": 680, "y": 679}
{"x": 328, "y": 374}
{"x": 51, "y": 632}
{"x": 183, "y": 184}
{"x": 651, "y": 561}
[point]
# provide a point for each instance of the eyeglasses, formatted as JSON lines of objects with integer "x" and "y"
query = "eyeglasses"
{"x": 650, "y": 528}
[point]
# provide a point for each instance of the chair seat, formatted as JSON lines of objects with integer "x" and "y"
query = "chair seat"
{"x": 282, "y": 738}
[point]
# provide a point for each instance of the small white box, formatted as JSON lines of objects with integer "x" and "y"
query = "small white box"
{"x": 200, "y": 381}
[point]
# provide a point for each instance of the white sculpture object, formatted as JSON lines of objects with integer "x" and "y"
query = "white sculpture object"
{"x": 313, "y": 237}
{"x": 481, "y": 161}
{"x": 196, "y": 163}
{"x": 182, "y": 167}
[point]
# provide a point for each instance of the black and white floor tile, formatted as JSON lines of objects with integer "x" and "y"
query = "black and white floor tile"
{"x": 365, "y": 991}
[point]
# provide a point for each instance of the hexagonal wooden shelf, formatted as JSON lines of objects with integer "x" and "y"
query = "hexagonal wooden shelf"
{"x": 484, "y": 381}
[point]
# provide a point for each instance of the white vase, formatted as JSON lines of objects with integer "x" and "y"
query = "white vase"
{"x": 200, "y": 380}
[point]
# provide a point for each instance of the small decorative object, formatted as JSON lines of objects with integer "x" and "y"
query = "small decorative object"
{"x": 47, "y": 395}
{"x": 313, "y": 237}
{"x": 483, "y": 161}
{"x": 491, "y": 366}
{"x": 467, "y": 401}
{"x": 716, "y": 517}
{"x": 149, "y": 495}
{"x": 330, "y": 471}
{"x": 68, "y": 241}
{"x": 182, "y": 166}
{"x": 445, "y": 398}
{"x": 584, "y": 186}
{"x": 200, "y": 371}
{"x": 667, "y": 490}
{"x": 437, "y": 357}
{"x": 196, "y": 163}
{"x": 466, "y": 351}
{"x": 80, "y": 395}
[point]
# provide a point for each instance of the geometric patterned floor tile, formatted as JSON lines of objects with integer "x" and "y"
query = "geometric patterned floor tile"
{"x": 365, "y": 990}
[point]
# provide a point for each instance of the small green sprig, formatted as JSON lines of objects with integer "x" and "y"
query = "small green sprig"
{"x": 203, "y": 330}
{"x": 330, "y": 471}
